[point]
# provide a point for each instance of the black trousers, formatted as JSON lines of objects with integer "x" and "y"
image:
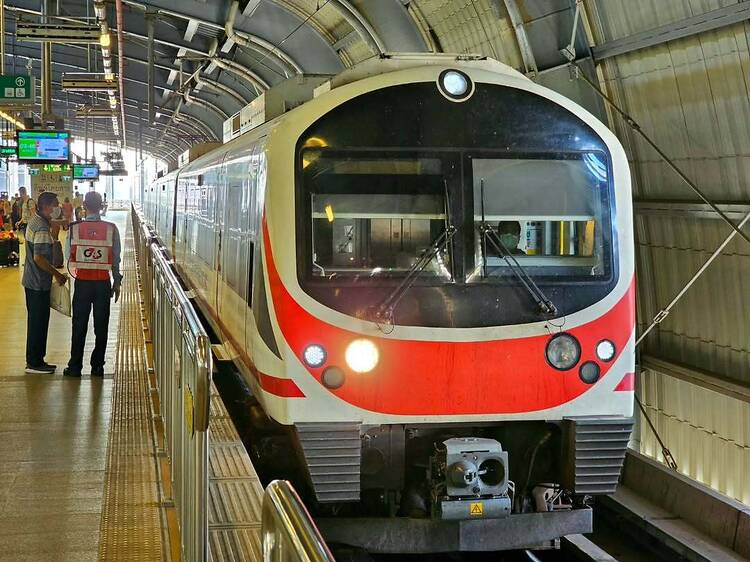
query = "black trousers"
{"x": 88, "y": 295}
{"x": 37, "y": 325}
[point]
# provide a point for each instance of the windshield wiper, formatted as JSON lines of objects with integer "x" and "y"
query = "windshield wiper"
{"x": 545, "y": 305}
{"x": 384, "y": 311}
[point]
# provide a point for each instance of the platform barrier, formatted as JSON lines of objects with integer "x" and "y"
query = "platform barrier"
{"x": 183, "y": 365}
{"x": 288, "y": 531}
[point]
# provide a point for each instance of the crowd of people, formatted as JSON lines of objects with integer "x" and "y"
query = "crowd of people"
{"x": 16, "y": 211}
{"x": 92, "y": 253}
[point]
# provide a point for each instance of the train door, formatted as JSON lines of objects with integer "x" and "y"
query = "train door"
{"x": 219, "y": 231}
{"x": 257, "y": 317}
{"x": 181, "y": 218}
{"x": 236, "y": 251}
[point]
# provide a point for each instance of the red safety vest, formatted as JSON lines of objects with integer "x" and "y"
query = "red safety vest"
{"x": 91, "y": 250}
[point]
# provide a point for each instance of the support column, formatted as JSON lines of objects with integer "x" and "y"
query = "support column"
{"x": 150, "y": 16}
{"x": 46, "y": 71}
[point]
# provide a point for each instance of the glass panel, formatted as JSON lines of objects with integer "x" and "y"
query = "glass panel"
{"x": 551, "y": 215}
{"x": 374, "y": 215}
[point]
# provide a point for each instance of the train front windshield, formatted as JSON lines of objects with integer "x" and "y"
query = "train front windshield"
{"x": 369, "y": 216}
{"x": 376, "y": 215}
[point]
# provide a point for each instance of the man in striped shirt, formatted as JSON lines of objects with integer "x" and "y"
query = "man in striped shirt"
{"x": 37, "y": 282}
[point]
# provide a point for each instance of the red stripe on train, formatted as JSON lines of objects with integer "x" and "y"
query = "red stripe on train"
{"x": 286, "y": 388}
{"x": 417, "y": 377}
{"x": 626, "y": 384}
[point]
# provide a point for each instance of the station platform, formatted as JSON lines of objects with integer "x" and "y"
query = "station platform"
{"x": 84, "y": 472}
{"x": 53, "y": 438}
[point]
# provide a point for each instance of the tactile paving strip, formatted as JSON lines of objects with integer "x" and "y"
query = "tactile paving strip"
{"x": 131, "y": 524}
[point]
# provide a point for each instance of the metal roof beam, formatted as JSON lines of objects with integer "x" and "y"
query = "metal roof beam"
{"x": 724, "y": 385}
{"x": 735, "y": 210}
{"x": 715, "y": 19}
{"x": 360, "y": 24}
{"x": 522, "y": 38}
{"x": 395, "y": 26}
{"x": 134, "y": 103}
{"x": 212, "y": 15}
{"x": 190, "y": 29}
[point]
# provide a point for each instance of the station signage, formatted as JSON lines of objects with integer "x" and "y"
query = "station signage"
{"x": 57, "y": 178}
{"x": 16, "y": 89}
{"x": 36, "y": 169}
{"x": 8, "y": 151}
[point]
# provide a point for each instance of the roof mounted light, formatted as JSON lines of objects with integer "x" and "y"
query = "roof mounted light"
{"x": 455, "y": 85}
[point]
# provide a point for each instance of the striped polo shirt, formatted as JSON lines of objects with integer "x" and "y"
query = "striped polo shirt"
{"x": 38, "y": 243}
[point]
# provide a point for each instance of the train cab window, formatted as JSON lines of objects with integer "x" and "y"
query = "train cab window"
{"x": 547, "y": 214}
{"x": 375, "y": 216}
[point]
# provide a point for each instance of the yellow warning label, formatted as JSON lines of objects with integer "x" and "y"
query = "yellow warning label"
{"x": 477, "y": 509}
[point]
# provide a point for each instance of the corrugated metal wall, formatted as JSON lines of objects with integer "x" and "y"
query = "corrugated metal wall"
{"x": 707, "y": 432}
{"x": 692, "y": 97}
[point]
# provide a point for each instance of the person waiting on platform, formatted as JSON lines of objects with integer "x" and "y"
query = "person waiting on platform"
{"x": 37, "y": 282}
{"x": 93, "y": 250}
{"x": 77, "y": 205}
{"x": 27, "y": 209}
{"x": 67, "y": 208}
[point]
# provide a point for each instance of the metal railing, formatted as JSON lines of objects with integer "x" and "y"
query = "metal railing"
{"x": 288, "y": 531}
{"x": 183, "y": 365}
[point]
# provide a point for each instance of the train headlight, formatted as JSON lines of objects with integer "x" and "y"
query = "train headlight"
{"x": 455, "y": 85}
{"x": 605, "y": 350}
{"x": 314, "y": 355}
{"x": 362, "y": 356}
{"x": 563, "y": 352}
{"x": 589, "y": 372}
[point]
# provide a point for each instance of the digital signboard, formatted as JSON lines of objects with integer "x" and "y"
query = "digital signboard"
{"x": 85, "y": 171}
{"x": 43, "y": 146}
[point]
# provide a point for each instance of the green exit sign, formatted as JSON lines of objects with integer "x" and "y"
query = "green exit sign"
{"x": 6, "y": 151}
{"x": 16, "y": 89}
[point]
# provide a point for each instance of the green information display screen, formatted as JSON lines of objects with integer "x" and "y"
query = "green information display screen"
{"x": 86, "y": 171}
{"x": 6, "y": 151}
{"x": 43, "y": 146}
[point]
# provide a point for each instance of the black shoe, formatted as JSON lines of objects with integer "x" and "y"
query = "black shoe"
{"x": 68, "y": 372}
{"x": 48, "y": 366}
{"x": 97, "y": 371}
{"x": 42, "y": 369}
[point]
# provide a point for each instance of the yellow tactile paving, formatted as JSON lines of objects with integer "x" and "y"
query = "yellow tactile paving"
{"x": 131, "y": 522}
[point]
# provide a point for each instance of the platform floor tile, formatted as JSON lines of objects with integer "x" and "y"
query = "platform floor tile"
{"x": 53, "y": 440}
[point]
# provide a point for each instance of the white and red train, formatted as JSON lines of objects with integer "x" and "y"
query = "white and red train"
{"x": 425, "y": 274}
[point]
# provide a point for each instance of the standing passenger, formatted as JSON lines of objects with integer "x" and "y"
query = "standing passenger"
{"x": 77, "y": 203}
{"x": 67, "y": 208}
{"x": 15, "y": 211}
{"x": 92, "y": 249}
{"x": 27, "y": 209}
{"x": 37, "y": 282}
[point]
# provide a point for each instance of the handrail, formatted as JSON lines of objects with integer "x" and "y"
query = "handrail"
{"x": 182, "y": 363}
{"x": 202, "y": 345}
{"x": 288, "y": 531}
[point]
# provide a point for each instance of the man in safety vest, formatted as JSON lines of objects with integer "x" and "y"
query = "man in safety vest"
{"x": 93, "y": 250}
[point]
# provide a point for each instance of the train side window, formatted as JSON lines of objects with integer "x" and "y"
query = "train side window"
{"x": 250, "y": 261}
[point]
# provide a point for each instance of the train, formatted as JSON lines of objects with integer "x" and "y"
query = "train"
{"x": 423, "y": 268}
